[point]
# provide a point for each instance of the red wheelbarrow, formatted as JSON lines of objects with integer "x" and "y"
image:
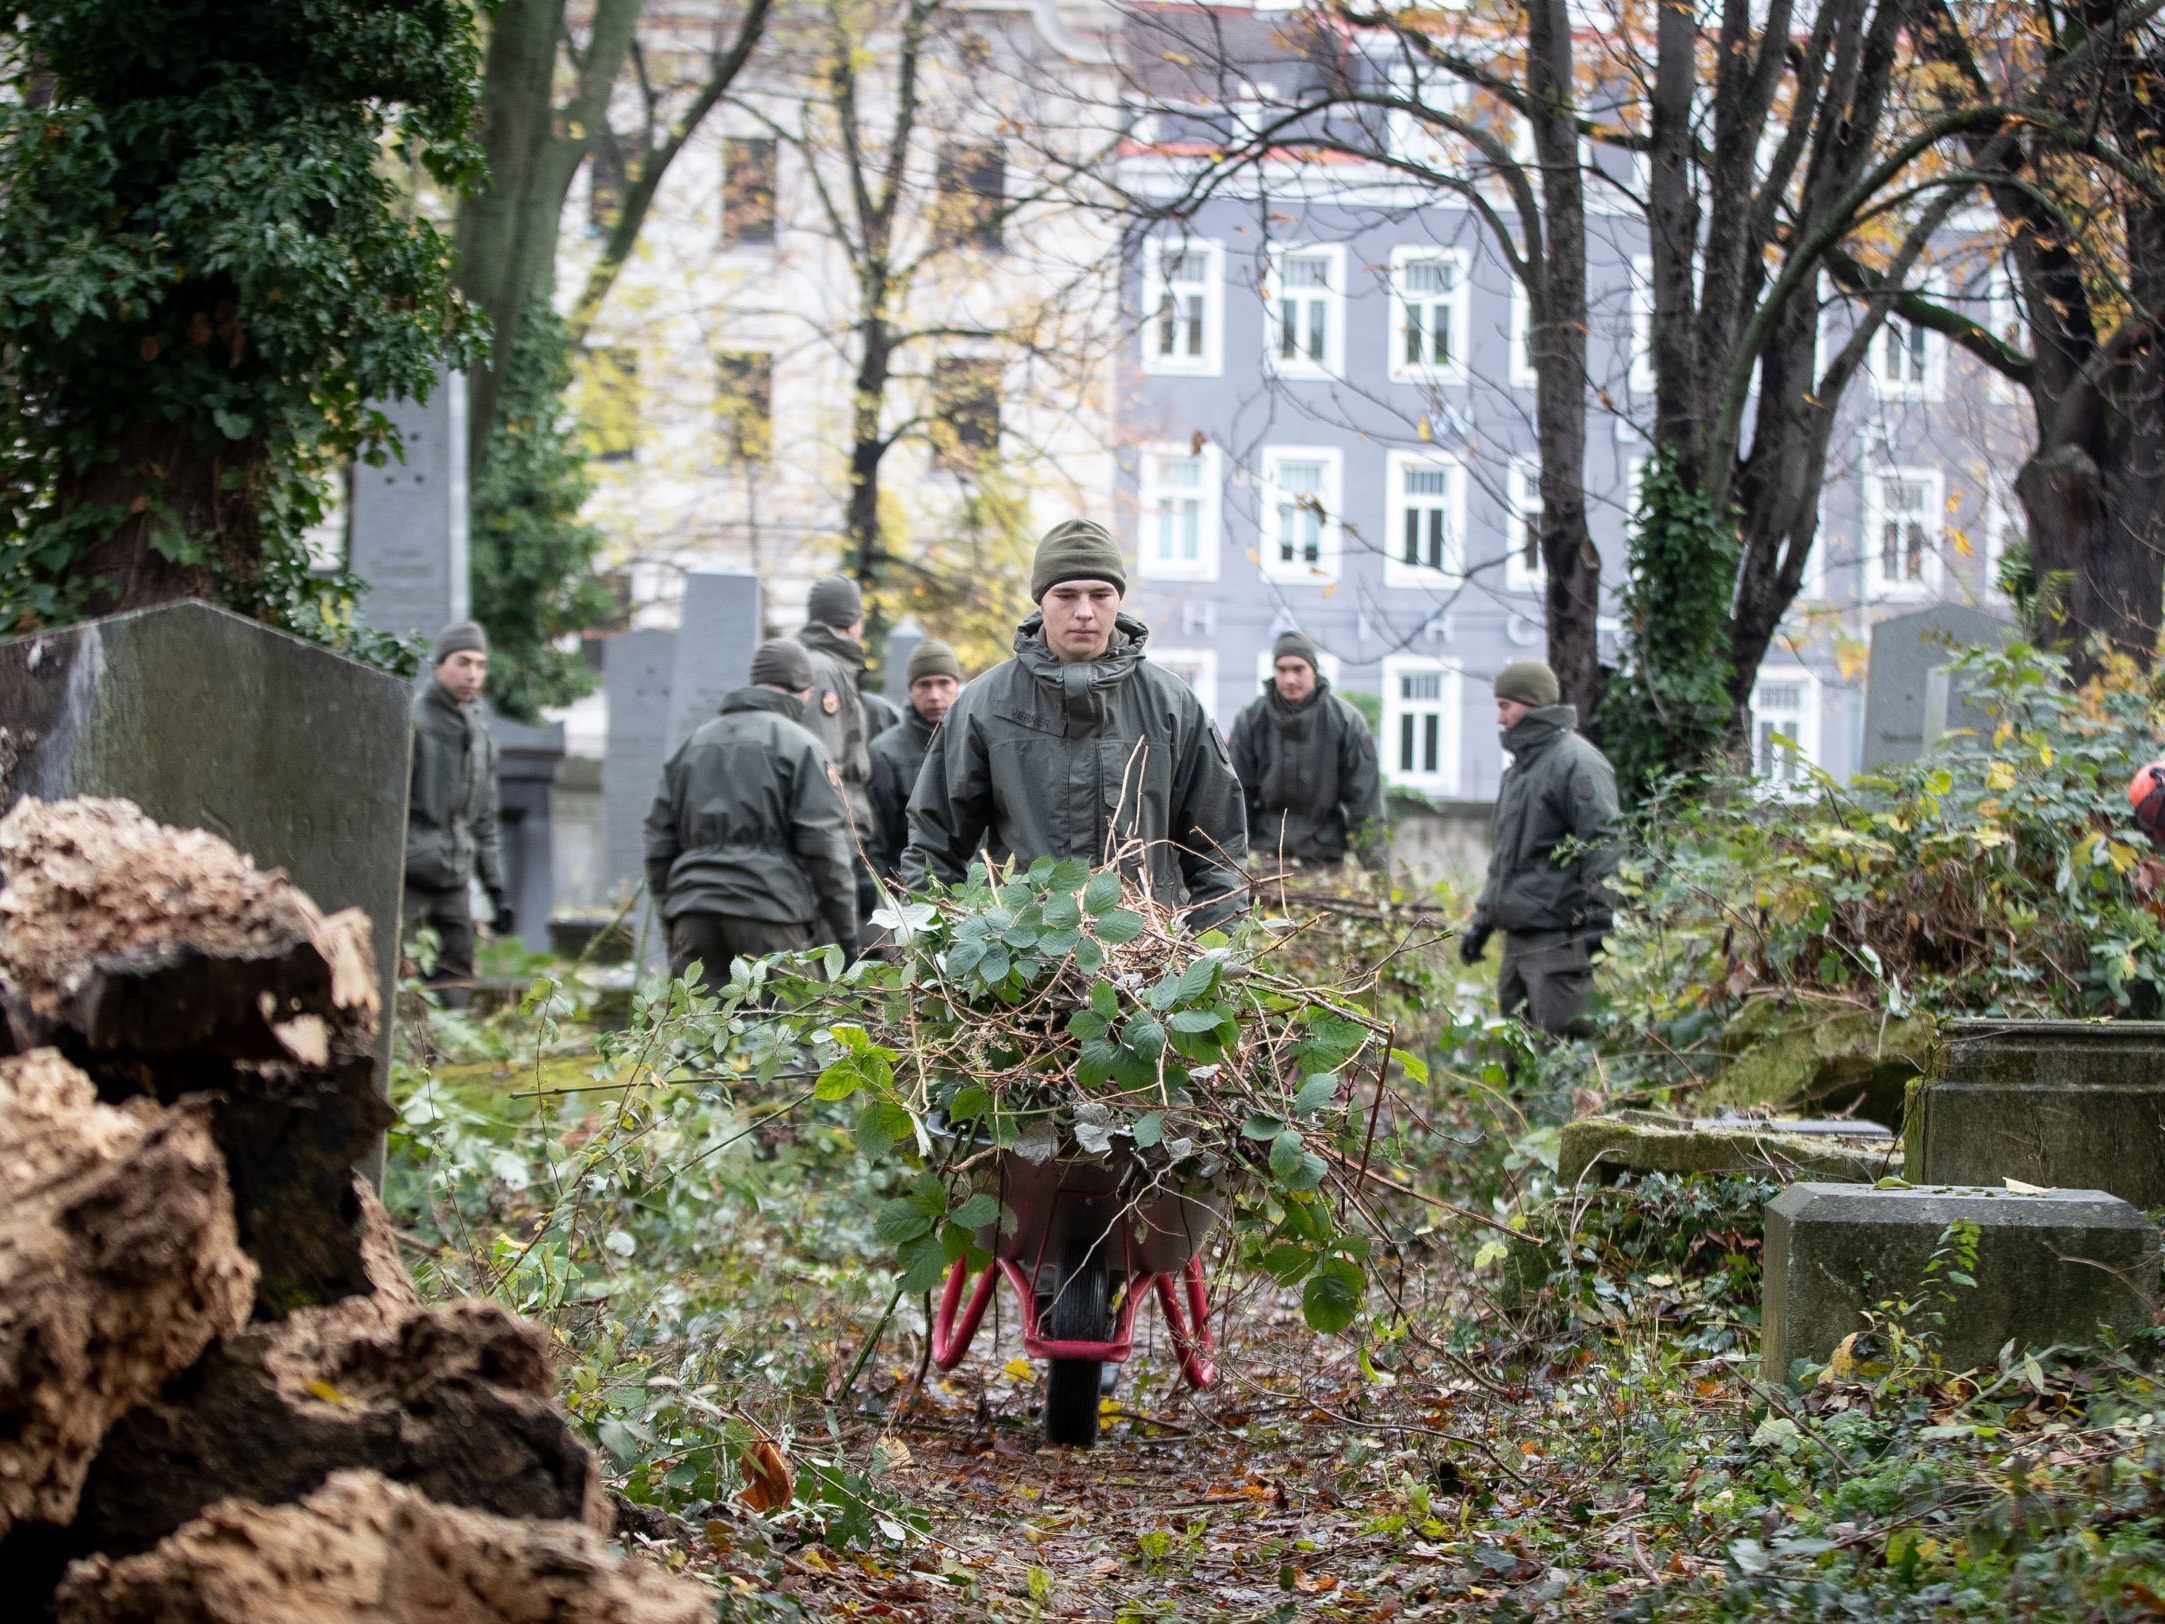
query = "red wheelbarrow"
{"x": 1083, "y": 1253}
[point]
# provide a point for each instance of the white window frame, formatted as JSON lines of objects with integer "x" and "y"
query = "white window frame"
{"x": 1522, "y": 501}
{"x": 1877, "y": 588}
{"x": 1197, "y": 667}
{"x": 2001, "y": 525}
{"x": 1457, "y": 304}
{"x": 1396, "y": 571}
{"x": 1333, "y": 298}
{"x": 1331, "y": 537}
{"x": 1156, "y": 290}
{"x": 1932, "y": 386}
{"x": 1805, "y": 730}
{"x": 1446, "y": 776}
{"x": 1640, "y": 373}
{"x": 1150, "y": 490}
{"x": 1519, "y": 364}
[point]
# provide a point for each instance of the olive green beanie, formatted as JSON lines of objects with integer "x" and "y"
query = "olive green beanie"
{"x": 933, "y": 658}
{"x": 1077, "y": 550}
{"x": 1528, "y": 682}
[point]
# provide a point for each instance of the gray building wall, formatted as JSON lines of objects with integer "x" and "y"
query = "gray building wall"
{"x": 1377, "y": 629}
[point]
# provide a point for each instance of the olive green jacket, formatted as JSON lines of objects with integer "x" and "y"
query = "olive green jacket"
{"x": 897, "y": 755}
{"x": 451, "y": 833}
{"x": 835, "y": 714}
{"x": 1558, "y": 788}
{"x": 1038, "y": 758}
{"x": 747, "y": 823}
{"x": 1309, "y": 772}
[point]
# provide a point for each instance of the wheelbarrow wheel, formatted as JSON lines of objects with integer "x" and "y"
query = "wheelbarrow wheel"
{"x": 1080, "y": 1313}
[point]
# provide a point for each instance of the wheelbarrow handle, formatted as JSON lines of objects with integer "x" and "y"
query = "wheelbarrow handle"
{"x": 951, "y": 1340}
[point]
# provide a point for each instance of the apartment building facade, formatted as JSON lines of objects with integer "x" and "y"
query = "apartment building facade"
{"x": 1326, "y": 421}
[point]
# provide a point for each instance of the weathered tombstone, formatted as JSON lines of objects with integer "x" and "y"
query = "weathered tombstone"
{"x": 1597, "y": 1147}
{"x": 902, "y": 642}
{"x": 2051, "y": 1267}
{"x": 2071, "y": 1104}
{"x": 636, "y": 675}
{"x": 408, "y": 530}
{"x": 1904, "y": 707}
{"x": 527, "y": 760}
{"x": 722, "y": 619}
{"x": 297, "y": 756}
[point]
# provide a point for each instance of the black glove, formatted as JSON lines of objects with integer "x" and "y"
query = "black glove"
{"x": 1597, "y": 923}
{"x": 1472, "y": 945}
{"x": 503, "y": 921}
{"x": 852, "y": 949}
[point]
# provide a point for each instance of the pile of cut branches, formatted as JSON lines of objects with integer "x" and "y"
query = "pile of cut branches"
{"x": 1051, "y": 1013}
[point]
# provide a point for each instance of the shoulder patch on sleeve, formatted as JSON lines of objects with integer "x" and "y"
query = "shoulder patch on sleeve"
{"x": 1582, "y": 785}
{"x": 829, "y": 703}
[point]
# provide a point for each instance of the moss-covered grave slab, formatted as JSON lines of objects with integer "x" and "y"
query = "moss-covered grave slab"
{"x": 1829, "y": 1055}
{"x": 1605, "y": 1147}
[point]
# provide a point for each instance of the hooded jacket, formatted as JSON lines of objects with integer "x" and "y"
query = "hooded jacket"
{"x": 1039, "y": 758}
{"x": 897, "y": 754}
{"x": 835, "y": 715}
{"x": 1309, "y": 773}
{"x": 747, "y": 823}
{"x": 451, "y": 816}
{"x": 1557, "y": 788}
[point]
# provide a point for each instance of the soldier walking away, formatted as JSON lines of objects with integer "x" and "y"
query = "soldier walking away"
{"x": 832, "y": 633}
{"x": 1307, "y": 763}
{"x": 451, "y": 810}
{"x": 747, "y": 846}
{"x": 1553, "y": 907}
{"x": 898, "y": 754}
{"x": 1078, "y": 747}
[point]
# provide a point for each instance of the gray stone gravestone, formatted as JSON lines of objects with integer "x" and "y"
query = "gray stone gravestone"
{"x": 408, "y": 529}
{"x": 902, "y": 642}
{"x": 527, "y": 763}
{"x": 636, "y": 672}
{"x": 2051, "y": 1267}
{"x": 1910, "y": 696}
{"x": 297, "y": 756}
{"x": 2079, "y": 1104}
{"x": 722, "y": 620}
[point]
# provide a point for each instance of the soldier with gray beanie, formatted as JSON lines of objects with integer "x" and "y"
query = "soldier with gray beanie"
{"x": 747, "y": 845}
{"x": 1554, "y": 847}
{"x": 1307, "y": 763}
{"x": 451, "y": 810}
{"x": 1079, "y": 747}
{"x": 833, "y": 635}
{"x": 899, "y": 753}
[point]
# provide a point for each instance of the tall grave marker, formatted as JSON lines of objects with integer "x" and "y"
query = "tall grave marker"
{"x": 1911, "y": 695}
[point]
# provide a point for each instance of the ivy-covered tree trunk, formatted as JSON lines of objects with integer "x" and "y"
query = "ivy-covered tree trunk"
{"x": 203, "y": 273}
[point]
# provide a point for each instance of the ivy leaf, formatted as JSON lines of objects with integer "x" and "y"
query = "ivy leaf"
{"x": 980, "y": 1210}
{"x": 1315, "y": 1093}
{"x": 924, "y": 1264}
{"x": 1143, "y": 1035}
{"x": 840, "y": 1080}
{"x": 1333, "y": 1295}
{"x": 1149, "y": 1130}
{"x": 1121, "y": 926}
{"x": 898, "y": 1222}
{"x": 1067, "y": 875}
{"x": 1102, "y": 894}
{"x": 1285, "y": 1155}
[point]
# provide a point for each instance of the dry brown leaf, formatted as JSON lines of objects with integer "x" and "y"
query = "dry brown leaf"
{"x": 769, "y": 1484}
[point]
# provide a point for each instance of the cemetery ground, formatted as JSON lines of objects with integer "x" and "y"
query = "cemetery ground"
{"x": 1551, "y": 1407}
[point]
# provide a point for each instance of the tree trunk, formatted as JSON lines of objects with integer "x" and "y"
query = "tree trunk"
{"x": 868, "y": 446}
{"x": 188, "y": 522}
{"x": 1556, "y": 288}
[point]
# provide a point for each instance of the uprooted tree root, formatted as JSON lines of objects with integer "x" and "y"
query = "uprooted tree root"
{"x": 223, "y": 1398}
